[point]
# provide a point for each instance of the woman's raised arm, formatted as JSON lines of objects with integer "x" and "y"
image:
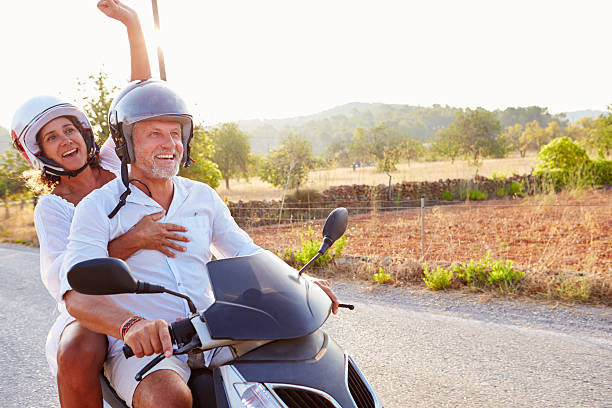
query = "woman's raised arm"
{"x": 139, "y": 57}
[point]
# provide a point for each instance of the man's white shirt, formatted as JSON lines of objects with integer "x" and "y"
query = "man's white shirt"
{"x": 196, "y": 206}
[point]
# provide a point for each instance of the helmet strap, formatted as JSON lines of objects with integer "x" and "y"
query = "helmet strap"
{"x": 69, "y": 173}
{"x": 126, "y": 183}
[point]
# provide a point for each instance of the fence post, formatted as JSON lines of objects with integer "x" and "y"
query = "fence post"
{"x": 422, "y": 228}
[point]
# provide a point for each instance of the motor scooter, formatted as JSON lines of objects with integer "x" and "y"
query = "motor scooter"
{"x": 261, "y": 339}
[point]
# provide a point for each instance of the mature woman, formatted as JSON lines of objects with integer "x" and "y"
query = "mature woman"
{"x": 56, "y": 138}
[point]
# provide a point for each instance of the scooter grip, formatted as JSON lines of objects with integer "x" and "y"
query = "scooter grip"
{"x": 127, "y": 351}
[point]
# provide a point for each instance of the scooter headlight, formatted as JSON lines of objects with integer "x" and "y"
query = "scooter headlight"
{"x": 255, "y": 395}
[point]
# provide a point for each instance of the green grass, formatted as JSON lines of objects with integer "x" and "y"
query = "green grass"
{"x": 477, "y": 195}
{"x": 381, "y": 277}
{"x": 438, "y": 279}
{"x": 573, "y": 289}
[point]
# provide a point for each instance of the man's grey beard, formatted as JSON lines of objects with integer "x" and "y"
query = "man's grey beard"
{"x": 165, "y": 172}
{"x": 154, "y": 170}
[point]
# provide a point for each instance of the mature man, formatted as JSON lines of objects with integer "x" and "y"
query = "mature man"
{"x": 152, "y": 129}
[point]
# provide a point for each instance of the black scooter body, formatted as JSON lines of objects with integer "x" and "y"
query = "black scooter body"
{"x": 314, "y": 361}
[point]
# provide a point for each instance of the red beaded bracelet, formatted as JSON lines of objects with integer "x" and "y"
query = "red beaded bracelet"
{"x": 129, "y": 323}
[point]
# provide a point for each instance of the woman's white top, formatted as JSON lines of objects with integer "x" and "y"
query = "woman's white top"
{"x": 52, "y": 218}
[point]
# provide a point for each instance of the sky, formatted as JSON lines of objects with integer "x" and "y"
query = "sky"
{"x": 268, "y": 59}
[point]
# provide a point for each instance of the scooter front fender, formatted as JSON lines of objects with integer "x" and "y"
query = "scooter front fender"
{"x": 311, "y": 366}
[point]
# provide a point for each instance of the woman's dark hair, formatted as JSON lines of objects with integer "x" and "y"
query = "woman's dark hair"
{"x": 43, "y": 183}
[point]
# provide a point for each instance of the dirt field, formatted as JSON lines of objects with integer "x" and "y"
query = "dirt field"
{"x": 558, "y": 232}
{"x": 567, "y": 233}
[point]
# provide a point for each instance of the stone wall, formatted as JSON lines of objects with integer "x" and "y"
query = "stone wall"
{"x": 364, "y": 198}
{"x": 431, "y": 191}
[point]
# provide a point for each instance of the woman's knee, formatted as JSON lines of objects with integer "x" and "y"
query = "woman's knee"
{"x": 80, "y": 348}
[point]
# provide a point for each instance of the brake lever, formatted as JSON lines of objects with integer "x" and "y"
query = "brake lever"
{"x": 195, "y": 342}
{"x": 149, "y": 366}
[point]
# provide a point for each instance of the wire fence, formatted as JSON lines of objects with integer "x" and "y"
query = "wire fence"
{"x": 575, "y": 235}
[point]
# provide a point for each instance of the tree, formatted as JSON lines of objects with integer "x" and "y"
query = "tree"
{"x": 385, "y": 146}
{"x": 446, "y": 143}
{"x": 232, "y": 150}
{"x": 254, "y": 165}
{"x": 533, "y": 137}
{"x": 338, "y": 152}
{"x": 12, "y": 165}
{"x": 580, "y": 130}
{"x": 411, "y": 149}
{"x": 601, "y": 137}
{"x": 512, "y": 134}
{"x": 524, "y": 115}
{"x": 553, "y": 131}
{"x": 357, "y": 148}
{"x": 97, "y": 104}
{"x": 290, "y": 164}
{"x": 202, "y": 168}
{"x": 477, "y": 130}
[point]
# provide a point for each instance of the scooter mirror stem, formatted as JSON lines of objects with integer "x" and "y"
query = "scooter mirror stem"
{"x": 309, "y": 262}
{"x": 327, "y": 242}
{"x": 192, "y": 307}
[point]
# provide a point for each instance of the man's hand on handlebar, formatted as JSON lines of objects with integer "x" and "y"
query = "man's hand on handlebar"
{"x": 324, "y": 285}
{"x": 147, "y": 337}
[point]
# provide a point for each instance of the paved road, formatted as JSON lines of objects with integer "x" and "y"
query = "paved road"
{"x": 417, "y": 348}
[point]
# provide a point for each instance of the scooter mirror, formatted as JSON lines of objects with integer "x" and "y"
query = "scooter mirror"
{"x": 102, "y": 276}
{"x": 335, "y": 225}
{"x": 334, "y": 228}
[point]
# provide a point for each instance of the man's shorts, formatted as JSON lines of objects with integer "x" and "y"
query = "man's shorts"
{"x": 121, "y": 371}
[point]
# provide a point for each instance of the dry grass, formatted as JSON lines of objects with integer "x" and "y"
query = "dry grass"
{"x": 320, "y": 180}
{"x": 18, "y": 225}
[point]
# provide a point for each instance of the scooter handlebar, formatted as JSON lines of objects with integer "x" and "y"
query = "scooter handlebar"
{"x": 181, "y": 331}
{"x": 128, "y": 352}
{"x": 349, "y": 307}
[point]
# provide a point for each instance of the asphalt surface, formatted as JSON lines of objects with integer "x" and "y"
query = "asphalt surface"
{"x": 417, "y": 348}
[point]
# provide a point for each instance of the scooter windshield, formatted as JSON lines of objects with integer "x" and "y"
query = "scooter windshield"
{"x": 260, "y": 297}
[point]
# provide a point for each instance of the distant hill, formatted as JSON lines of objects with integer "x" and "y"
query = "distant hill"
{"x": 266, "y": 134}
{"x": 338, "y": 124}
{"x": 576, "y": 115}
{"x": 5, "y": 139}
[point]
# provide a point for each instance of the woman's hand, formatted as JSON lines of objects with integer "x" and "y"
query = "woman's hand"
{"x": 149, "y": 234}
{"x": 118, "y": 11}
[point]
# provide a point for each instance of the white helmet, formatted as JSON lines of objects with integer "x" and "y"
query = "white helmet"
{"x": 36, "y": 113}
{"x": 142, "y": 100}
{"x": 139, "y": 101}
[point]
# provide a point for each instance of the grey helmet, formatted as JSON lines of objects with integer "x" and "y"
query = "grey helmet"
{"x": 143, "y": 100}
{"x": 35, "y": 113}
